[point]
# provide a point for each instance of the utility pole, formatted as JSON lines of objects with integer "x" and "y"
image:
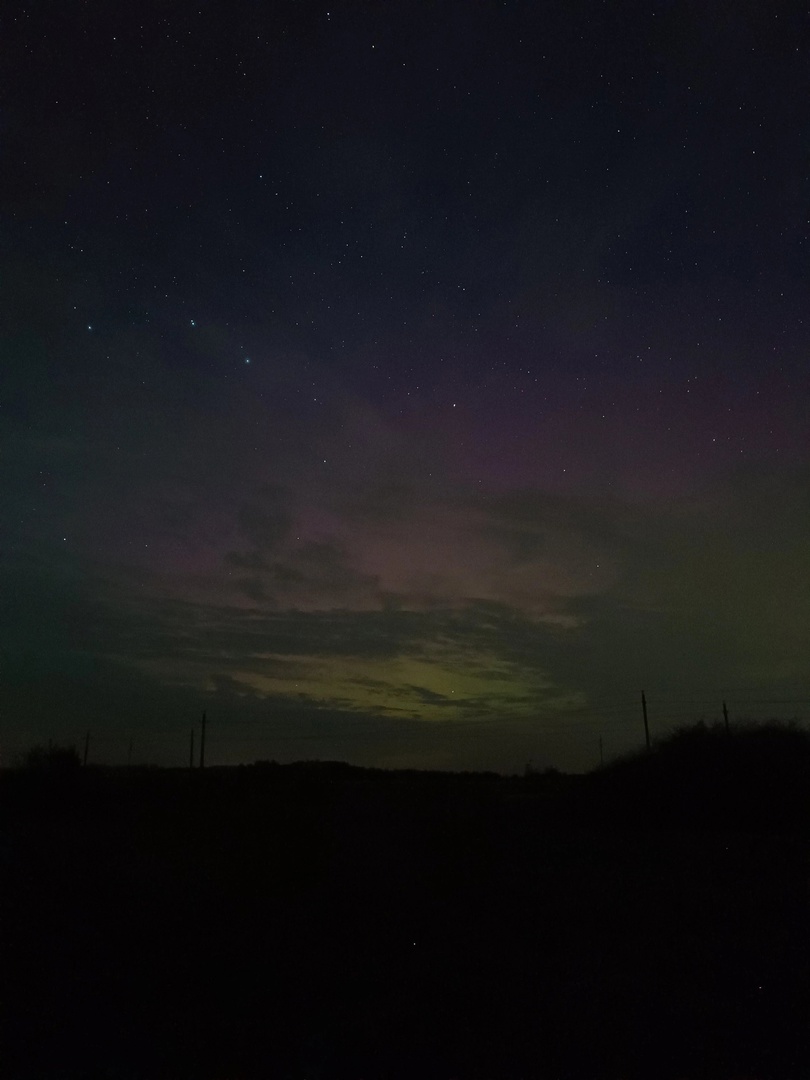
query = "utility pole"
{"x": 86, "y": 747}
{"x": 202, "y": 744}
{"x": 191, "y": 750}
{"x": 646, "y": 725}
{"x": 725, "y": 717}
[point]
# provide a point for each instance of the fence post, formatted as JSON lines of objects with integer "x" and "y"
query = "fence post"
{"x": 646, "y": 725}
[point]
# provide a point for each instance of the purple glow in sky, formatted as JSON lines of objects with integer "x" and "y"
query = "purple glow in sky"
{"x": 404, "y": 386}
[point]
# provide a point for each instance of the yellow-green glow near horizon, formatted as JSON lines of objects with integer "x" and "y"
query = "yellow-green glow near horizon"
{"x": 402, "y": 686}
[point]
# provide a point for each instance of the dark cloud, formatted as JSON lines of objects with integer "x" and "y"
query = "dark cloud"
{"x": 421, "y": 693}
{"x": 254, "y": 589}
{"x": 689, "y": 594}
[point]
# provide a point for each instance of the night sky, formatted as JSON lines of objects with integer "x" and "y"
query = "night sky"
{"x": 402, "y": 383}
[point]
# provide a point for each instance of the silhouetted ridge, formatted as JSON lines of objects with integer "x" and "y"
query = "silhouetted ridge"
{"x": 755, "y": 776}
{"x": 648, "y": 919}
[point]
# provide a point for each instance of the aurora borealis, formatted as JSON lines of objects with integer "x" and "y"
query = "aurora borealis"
{"x": 408, "y": 383}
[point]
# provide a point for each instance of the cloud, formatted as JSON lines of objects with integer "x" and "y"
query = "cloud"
{"x": 475, "y": 607}
{"x": 254, "y": 589}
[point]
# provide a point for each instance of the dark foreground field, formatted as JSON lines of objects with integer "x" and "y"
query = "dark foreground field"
{"x": 317, "y": 921}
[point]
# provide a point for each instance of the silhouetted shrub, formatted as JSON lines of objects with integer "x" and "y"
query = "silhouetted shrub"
{"x": 55, "y": 759}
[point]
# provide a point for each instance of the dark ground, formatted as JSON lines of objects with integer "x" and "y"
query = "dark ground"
{"x": 318, "y": 921}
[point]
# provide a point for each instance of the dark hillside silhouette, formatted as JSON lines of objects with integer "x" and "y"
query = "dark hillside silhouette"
{"x": 321, "y": 920}
{"x": 754, "y": 776}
